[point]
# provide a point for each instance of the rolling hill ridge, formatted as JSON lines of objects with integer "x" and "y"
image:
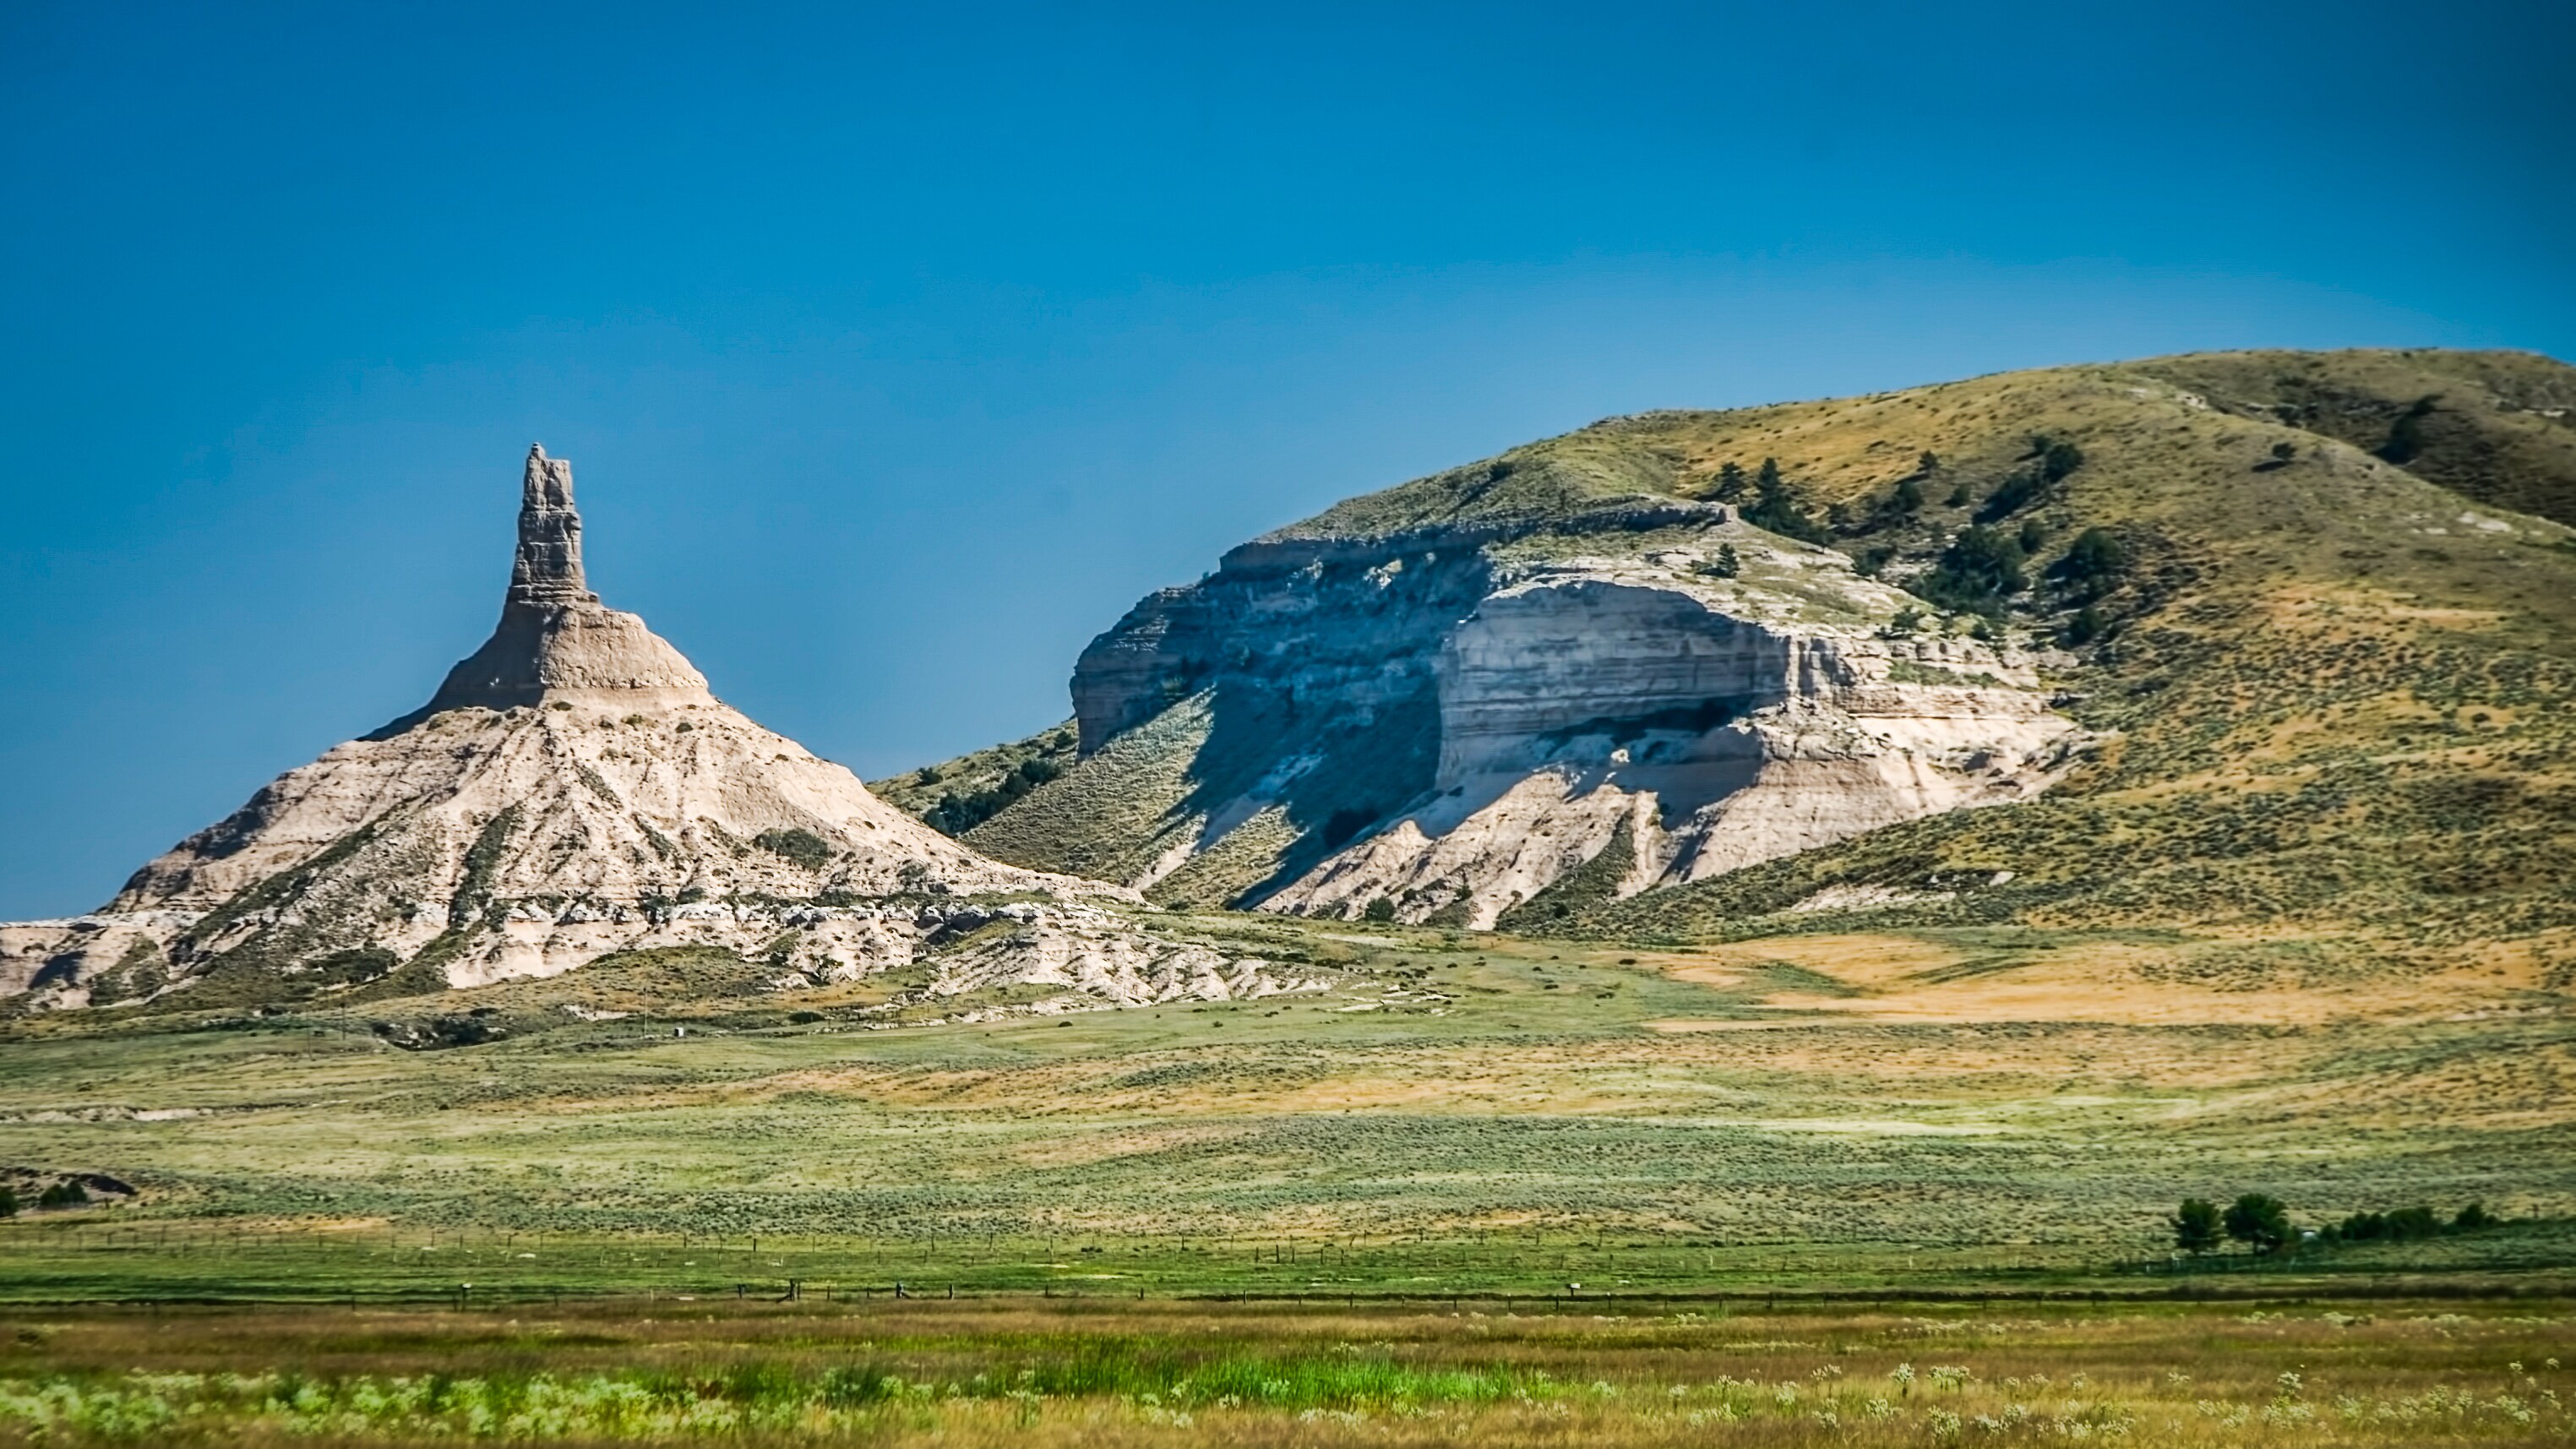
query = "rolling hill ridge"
{"x": 2236, "y": 639}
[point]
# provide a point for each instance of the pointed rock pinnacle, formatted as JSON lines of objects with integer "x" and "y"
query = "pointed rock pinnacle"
{"x": 548, "y": 569}
{"x": 554, "y": 636}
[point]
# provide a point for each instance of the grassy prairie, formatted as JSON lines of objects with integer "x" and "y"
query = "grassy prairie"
{"x": 1895, "y": 1188}
{"x": 1984, "y": 1106}
{"x": 1124, "y": 1373}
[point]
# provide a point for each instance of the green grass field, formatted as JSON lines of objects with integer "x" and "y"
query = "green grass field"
{"x": 1881, "y": 1189}
{"x": 1458, "y": 1116}
{"x": 1101, "y": 1372}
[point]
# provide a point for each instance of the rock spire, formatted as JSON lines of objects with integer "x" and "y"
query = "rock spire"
{"x": 555, "y": 637}
{"x": 572, "y": 790}
{"x": 548, "y": 569}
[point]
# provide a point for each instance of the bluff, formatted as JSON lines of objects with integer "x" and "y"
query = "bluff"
{"x": 2227, "y": 637}
{"x": 572, "y": 790}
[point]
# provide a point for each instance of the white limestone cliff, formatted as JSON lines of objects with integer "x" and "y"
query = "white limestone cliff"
{"x": 1617, "y": 688}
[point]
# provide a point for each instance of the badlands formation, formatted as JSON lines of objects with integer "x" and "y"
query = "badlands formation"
{"x": 1438, "y": 723}
{"x": 573, "y": 790}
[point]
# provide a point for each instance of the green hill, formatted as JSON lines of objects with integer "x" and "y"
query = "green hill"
{"x": 2315, "y": 607}
{"x": 2334, "y": 672}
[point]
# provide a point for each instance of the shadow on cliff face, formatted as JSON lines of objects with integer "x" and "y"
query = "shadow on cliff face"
{"x": 1335, "y": 770}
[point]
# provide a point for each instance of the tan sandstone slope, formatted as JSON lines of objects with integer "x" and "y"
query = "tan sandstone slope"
{"x": 572, "y": 790}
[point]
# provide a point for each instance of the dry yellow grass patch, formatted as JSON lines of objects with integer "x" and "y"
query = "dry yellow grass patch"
{"x": 1082, "y": 1148}
{"x": 2347, "y": 611}
{"x": 1899, "y": 979}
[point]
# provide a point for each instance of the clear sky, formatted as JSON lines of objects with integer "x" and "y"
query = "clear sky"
{"x": 897, "y": 351}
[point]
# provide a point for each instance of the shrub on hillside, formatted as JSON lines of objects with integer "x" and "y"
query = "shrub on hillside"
{"x": 1976, "y": 572}
{"x": 956, "y": 814}
{"x": 2048, "y": 463}
{"x": 802, "y": 846}
{"x": 2094, "y": 558}
{"x": 2408, "y": 1225}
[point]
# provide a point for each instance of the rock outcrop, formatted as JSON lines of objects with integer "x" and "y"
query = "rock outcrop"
{"x": 1441, "y": 722}
{"x": 1597, "y": 704}
{"x": 571, "y": 790}
{"x": 555, "y": 640}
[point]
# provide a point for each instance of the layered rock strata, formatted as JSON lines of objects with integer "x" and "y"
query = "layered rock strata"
{"x": 1696, "y": 727}
{"x": 1440, "y": 723}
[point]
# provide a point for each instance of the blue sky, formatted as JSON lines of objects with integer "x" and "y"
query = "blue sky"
{"x": 898, "y": 351}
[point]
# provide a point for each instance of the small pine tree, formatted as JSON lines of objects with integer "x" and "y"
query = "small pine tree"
{"x": 926, "y": 775}
{"x": 1909, "y": 495}
{"x": 2196, "y": 1226}
{"x": 2085, "y": 627}
{"x": 1380, "y": 909}
{"x": 1960, "y": 497}
{"x": 2472, "y": 1218}
{"x": 8, "y": 1202}
{"x": 2032, "y": 535}
{"x": 1930, "y": 462}
{"x": 1727, "y": 565}
{"x": 1730, "y": 483}
{"x": 1776, "y": 509}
